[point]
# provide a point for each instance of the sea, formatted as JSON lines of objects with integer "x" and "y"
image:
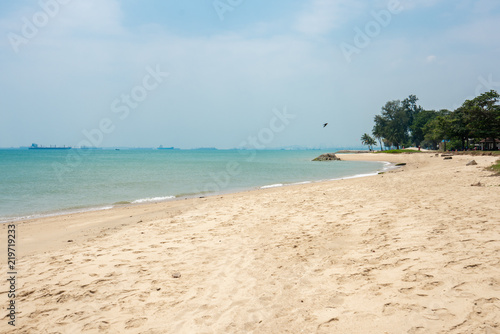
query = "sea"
{"x": 37, "y": 183}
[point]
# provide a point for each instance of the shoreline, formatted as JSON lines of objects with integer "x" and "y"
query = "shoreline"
{"x": 55, "y": 218}
{"x": 155, "y": 200}
{"x": 405, "y": 250}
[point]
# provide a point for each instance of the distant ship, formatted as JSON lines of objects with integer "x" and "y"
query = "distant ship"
{"x": 166, "y": 148}
{"x": 38, "y": 147}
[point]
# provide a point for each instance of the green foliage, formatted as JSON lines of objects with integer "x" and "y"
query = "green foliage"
{"x": 420, "y": 120}
{"x": 392, "y": 125}
{"x": 435, "y": 129}
{"x": 405, "y": 123}
{"x": 378, "y": 130}
{"x": 455, "y": 144}
{"x": 482, "y": 115}
{"x": 400, "y": 151}
{"x": 367, "y": 140}
{"x": 495, "y": 167}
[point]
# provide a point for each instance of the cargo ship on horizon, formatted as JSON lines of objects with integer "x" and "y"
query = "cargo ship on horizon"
{"x": 166, "y": 148}
{"x": 39, "y": 147}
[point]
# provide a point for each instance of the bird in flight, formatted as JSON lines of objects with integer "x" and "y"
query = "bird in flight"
{"x": 324, "y": 125}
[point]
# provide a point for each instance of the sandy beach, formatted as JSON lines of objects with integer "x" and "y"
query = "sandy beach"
{"x": 413, "y": 250}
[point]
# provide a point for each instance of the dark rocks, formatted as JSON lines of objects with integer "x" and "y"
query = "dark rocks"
{"x": 327, "y": 157}
{"x": 401, "y": 164}
{"x": 448, "y": 158}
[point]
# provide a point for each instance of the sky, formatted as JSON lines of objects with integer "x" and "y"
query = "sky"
{"x": 233, "y": 73}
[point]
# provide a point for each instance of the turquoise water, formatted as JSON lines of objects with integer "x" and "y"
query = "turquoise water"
{"x": 44, "y": 182}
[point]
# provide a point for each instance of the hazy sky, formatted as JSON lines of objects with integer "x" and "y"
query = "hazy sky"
{"x": 271, "y": 72}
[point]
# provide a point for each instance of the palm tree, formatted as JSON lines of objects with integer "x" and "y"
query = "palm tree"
{"x": 367, "y": 140}
{"x": 378, "y": 130}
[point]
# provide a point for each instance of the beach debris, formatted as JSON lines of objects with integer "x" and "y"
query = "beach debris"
{"x": 448, "y": 158}
{"x": 327, "y": 157}
{"x": 176, "y": 275}
{"x": 401, "y": 164}
{"x": 70, "y": 240}
{"x": 477, "y": 184}
{"x": 436, "y": 155}
{"x": 471, "y": 163}
{"x": 324, "y": 125}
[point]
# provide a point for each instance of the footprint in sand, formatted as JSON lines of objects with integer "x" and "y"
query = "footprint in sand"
{"x": 135, "y": 323}
{"x": 417, "y": 330}
{"x": 432, "y": 285}
{"x": 406, "y": 290}
{"x": 439, "y": 314}
{"x": 415, "y": 277}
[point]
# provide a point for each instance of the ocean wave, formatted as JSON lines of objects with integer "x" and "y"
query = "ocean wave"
{"x": 299, "y": 183}
{"x": 54, "y": 214}
{"x": 152, "y": 199}
{"x": 272, "y": 186}
{"x": 355, "y": 176}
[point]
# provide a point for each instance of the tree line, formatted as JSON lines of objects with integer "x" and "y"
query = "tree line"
{"x": 405, "y": 124}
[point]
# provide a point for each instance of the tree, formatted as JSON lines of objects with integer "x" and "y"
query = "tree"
{"x": 437, "y": 129}
{"x": 367, "y": 140}
{"x": 419, "y": 122}
{"x": 412, "y": 110}
{"x": 457, "y": 126}
{"x": 396, "y": 123}
{"x": 378, "y": 130}
{"x": 393, "y": 125}
{"x": 406, "y": 122}
{"x": 481, "y": 115}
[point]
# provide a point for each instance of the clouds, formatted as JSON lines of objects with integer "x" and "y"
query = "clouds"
{"x": 323, "y": 16}
{"x": 476, "y": 33}
{"x": 95, "y": 17}
{"x": 229, "y": 75}
{"x": 430, "y": 59}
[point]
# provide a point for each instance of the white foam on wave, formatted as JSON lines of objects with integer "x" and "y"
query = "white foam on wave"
{"x": 152, "y": 199}
{"x": 388, "y": 166}
{"x": 357, "y": 176}
{"x": 299, "y": 183}
{"x": 53, "y": 214}
{"x": 272, "y": 186}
